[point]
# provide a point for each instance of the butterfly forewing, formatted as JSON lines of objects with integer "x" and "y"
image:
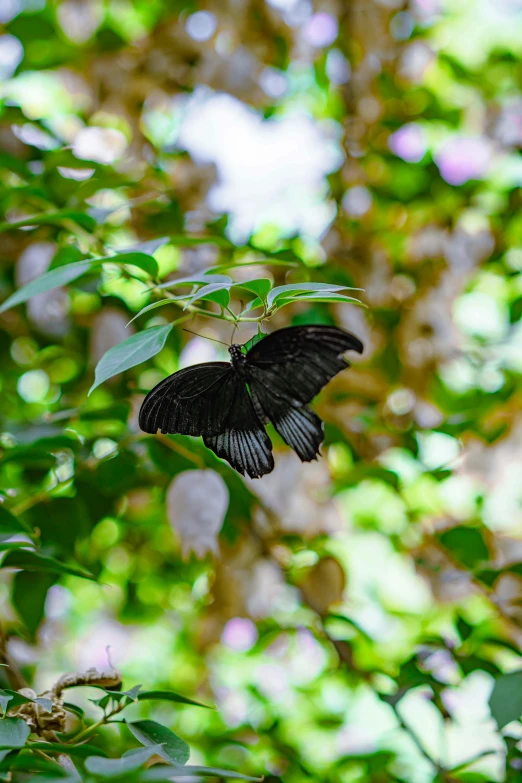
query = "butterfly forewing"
{"x": 193, "y": 401}
{"x": 295, "y": 363}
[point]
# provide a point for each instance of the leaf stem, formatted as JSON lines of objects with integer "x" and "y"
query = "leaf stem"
{"x": 95, "y": 726}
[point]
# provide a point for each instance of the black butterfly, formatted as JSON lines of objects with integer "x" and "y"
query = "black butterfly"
{"x": 283, "y": 372}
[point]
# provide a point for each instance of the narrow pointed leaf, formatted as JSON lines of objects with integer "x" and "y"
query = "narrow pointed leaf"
{"x": 10, "y": 525}
{"x": 46, "y": 282}
{"x": 82, "y": 751}
{"x": 137, "y": 349}
{"x": 283, "y": 290}
{"x": 200, "y": 278}
{"x": 168, "y": 773}
{"x": 27, "y": 560}
{"x": 169, "y": 696}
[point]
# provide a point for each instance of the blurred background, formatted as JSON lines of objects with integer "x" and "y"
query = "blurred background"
{"x": 348, "y": 617}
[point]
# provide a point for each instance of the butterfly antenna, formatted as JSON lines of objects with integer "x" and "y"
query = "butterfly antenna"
{"x": 204, "y": 336}
{"x": 236, "y": 327}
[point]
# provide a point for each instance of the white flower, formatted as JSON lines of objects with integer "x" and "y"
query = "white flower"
{"x": 197, "y": 501}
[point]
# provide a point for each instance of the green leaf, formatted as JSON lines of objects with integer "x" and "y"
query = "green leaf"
{"x": 141, "y": 254}
{"x": 74, "y": 709}
{"x": 166, "y": 773}
{"x": 82, "y": 751}
{"x": 466, "y": 544}
{"x": 5, "y": 698}
{"x": 13, "y": 733}
{"x": 130, "y": 761}
{"x": 148, "y": 732}
{"x": 305, "y": 288}
{"x": 46, "y": 282}
{"x": 183, "y": 240}
{"x": 169, "y": 696}
{"x": 153, "y": 306}
{"x": 505, "y": 701}
{"x": 129, "y": 353}
{"x": 117, "y": 696}
{"x": 33, "y": 561}
{"x": 211, "y": 292}
{"x": 260, "y": 286}
{"x": 29, "y": 594}
{"x": 5, "y": 546}
{"x": 10, "y": 525}
{"x": 317, "y": 296}
{"x": 284, "y": 301}
{"x": 17, "y": 699}
{"x": 147, "y": 263}
{"x": 252, "y": 305}
{"x": 201, "y": 278}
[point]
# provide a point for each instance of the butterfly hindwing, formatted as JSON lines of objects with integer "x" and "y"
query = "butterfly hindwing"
{"x": 243, "y": 441}
{"x": 296, "y": 362}
{"x": 297, "y": 424}
{"x": 193, "y": 401}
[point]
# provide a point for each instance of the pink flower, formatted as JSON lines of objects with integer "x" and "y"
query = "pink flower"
{"x": 461, "y": 159}
{"x": 239, "y": 634}
{"x": 321, "y": 30}
{"x": 408, "y": 143}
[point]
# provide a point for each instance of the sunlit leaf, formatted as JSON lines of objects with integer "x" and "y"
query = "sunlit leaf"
{"x": 215, "y": 292}
{"x": 297, "y": 288}
{"x": 147, "y": 263}
{"x": 137, "y": 349}
{"x": 198, "y": 279}
{"x": 283, "y": 301}
{"x": 260, "y": 286}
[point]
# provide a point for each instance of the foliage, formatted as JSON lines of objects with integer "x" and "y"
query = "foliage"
{"x": 230, "y": 168}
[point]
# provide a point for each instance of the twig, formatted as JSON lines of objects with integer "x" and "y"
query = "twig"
{"x": 181, "y": 450}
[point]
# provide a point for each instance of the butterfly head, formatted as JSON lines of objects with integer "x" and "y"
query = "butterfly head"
{"x": 237, "y": 357}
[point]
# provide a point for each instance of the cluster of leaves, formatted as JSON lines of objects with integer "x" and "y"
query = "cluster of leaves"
{"x": 163, "y": 755}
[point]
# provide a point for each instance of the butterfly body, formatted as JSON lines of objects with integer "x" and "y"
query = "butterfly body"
{"x": 238, "y": 360}
{"x": 228, "y": 403}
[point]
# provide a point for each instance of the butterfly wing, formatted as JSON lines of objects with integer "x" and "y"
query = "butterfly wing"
{"x": 193, "y": 401}
{"x": 298, "y": 361}
{"x": 298, "y": 425}
{"x": 243, "y": 441}
{"x": 286, "y": 370}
